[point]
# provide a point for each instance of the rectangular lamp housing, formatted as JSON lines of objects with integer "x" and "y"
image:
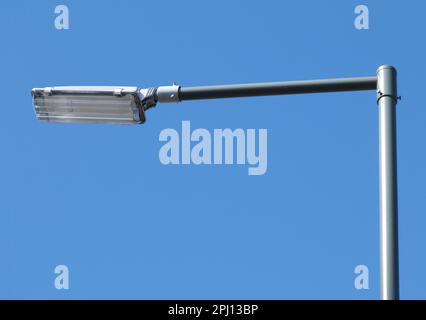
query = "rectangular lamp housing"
{"x": 117, "y": 105}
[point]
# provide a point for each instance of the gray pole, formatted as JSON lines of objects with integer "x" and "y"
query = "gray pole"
{"x": 387, "y": 99}
{"x": 386, "y": 86}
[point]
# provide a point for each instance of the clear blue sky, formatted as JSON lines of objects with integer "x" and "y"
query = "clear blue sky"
{"x": 97, "y": 199}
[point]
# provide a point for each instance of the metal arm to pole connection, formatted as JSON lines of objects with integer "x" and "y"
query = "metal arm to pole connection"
{"x": 385, "y": 84}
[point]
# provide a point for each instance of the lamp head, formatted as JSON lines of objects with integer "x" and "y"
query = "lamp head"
{"x": 118, "y": 105}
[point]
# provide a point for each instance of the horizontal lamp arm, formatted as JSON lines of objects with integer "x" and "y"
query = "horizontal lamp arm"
{"x": 175, "y": 93}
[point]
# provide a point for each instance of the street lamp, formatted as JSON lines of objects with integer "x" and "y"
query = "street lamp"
{"x": 127, "y": 105}
{"x": 121, "y": 105}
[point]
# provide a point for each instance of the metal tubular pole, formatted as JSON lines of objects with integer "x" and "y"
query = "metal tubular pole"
{"x": 276, "y": 88}
{"x": 386, "y": 85}
{"x": 387, "y": 100}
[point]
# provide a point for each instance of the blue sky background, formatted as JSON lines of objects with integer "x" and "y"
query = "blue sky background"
{"x": 97, "y": 199}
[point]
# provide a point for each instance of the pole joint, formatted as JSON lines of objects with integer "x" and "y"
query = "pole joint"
{"x": 168, "y": 93}
{"x": 386, "y": 88}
